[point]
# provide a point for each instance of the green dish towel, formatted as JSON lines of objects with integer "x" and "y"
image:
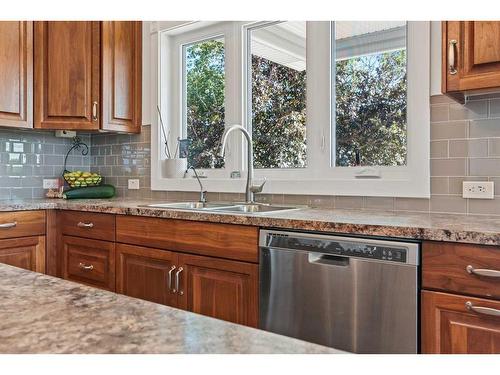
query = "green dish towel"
{"x": 92, "y": 192}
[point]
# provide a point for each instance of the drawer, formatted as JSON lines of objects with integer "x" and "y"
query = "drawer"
{"x": 22, "y": 224}
{"x": 461, "y": 268}
{"x": 238, "y": 242}
{"x": 88, "y": 225}
{"x": 89, "y": 261}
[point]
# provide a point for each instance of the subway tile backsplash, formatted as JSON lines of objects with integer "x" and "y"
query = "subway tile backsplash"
{"x": 465, "y": 145}
{"x": 27, "y": 157}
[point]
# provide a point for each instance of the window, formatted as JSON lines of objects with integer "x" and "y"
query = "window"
{"x": 333, "y": 107}
{"x": 370, "y": 94}
{"x": 277, "y": 75}
{"x": 203, "y": 90}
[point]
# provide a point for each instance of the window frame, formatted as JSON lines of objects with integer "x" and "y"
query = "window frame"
{"x": 319, "y": 177}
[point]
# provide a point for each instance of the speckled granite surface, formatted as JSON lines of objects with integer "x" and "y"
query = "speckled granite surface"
{"x": 438, "y": 227}
{"x": 43, "y": 314}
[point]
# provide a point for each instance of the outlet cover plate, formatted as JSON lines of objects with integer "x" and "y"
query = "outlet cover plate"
{"x": 51, "y": 183}
{"x": 133, "y": 184}
{"x": 478, "y": 189}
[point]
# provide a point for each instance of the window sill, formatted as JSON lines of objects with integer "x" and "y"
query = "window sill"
{"x": 340, "y": 187}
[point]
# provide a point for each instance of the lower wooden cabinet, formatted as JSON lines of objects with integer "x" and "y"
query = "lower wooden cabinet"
{"x": 454, "y": 324}
{"x": 146, "y": 273}
{"x": 220, "y": 288}
{"x": 89, "y": 261}
{"x": 25, "y": 252}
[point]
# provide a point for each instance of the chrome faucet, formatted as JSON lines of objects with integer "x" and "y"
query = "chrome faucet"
{"x": 203, "y": 193}
{"x": 251, "y": 189}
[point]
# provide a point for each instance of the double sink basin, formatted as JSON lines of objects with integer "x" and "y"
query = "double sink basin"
{"x": 235, "y": 208}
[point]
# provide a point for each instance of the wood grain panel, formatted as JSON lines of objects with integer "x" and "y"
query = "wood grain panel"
{"x": 444, "y": 268}
{"x": 122, "y": 75}
{"x": 237, "y": 242}
{"x": 448, "y": 327}
{"x": 27, "y": 223}
{"x": 26, "y": 252}
{"x": 98, "y": 226}
{"x": 16, "y": 74}
{"x": 144, "y": 273}
{"x": 67, "y": 74}
{"x": 219, "y": 288}
{"x": 83, "y": 252}
{"x": 486, "y": 42}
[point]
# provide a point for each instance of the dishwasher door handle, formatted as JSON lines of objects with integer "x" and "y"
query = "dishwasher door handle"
{"x": 328, "y": 259}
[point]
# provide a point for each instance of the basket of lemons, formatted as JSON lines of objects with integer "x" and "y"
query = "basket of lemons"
{"x": 82, "y": 179}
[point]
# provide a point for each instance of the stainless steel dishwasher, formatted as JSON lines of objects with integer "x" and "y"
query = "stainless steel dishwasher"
{"x": 350, "y": 293}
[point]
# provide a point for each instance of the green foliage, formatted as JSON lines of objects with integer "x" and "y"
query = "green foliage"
{"x": 371, "y": 110}
{"x": 278, "y": 115}
{"x": 205, "y": 102}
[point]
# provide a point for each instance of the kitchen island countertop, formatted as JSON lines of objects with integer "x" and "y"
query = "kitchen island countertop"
{"x": 44, "y": 314}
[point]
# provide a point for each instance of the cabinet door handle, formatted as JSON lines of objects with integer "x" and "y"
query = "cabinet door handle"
{"x": 482, "y": 310}
{"x": 85, "y": 225}
{"x": 177, "y": 282}
{"x": 86, "y": 267}
{"x": 482, "y": 272}
{"x": 94, "y": 111}
{"x": 8, "y": 225}
{"x": 170, "y": 279}
{"x": 452, "y": 51}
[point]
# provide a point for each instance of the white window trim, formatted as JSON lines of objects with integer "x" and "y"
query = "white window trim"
{"x": 412, "y": 180}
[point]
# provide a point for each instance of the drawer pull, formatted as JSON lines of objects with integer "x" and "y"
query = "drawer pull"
{"x": 177, "y": 287}
{"x": 482, "y": 310}
{"x": 170, "y": 279}
{"x": 482, "y": 272}
{"x": 85, "y": 225}
{"x": 85, "y": 267}
{"x": 452, "y": 47}
{"x": 8, "y": 225}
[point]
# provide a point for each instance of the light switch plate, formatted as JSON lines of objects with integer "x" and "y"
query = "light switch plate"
{"x": 478, "y": 189}
{"x": 133, "y": 184}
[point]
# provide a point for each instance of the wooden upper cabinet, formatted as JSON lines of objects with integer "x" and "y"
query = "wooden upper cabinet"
{"x": 121, "y": 76}
{"x": 453, "y": 324}
{"x": 16, "y": 74}
{"x": 470, "y": 57}
{"x": 222, "y": 289}
{"x": 67, "y": 75}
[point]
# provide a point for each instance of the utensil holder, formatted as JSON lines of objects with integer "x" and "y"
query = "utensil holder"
{"x": 174, "y": 168}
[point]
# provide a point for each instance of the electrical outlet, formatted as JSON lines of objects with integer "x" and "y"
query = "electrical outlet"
{"x": 65, "y": 133}
{"x": 478, "y": 189}
{"x": 50, "y": 183}
{"x": 133, "y": 184}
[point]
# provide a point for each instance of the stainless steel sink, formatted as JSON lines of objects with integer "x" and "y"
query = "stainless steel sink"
{"x": 188, "y": 205}
{"x": 254, "y": 208}
{"x": 235, "y": 208}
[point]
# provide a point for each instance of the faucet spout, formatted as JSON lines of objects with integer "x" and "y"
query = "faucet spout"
{"x": 249, "y": 193}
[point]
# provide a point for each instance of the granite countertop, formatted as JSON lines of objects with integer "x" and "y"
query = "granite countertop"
{"x": 477, "y": 229}
{"x": 44, "y": 314}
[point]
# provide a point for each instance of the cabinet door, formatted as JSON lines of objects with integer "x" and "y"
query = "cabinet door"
{"x": 219, "y": 288}
{"x": 471, "y": 55}
{"x": 67, "y": 75}
{"x": 89, "y": 261}
{"x": 146, "y": 273}
{"x": 26, "y": 252}
{"x": 122, "y": 76}
{"x": 450, "y": 327}
{"x": 16, "y": 74}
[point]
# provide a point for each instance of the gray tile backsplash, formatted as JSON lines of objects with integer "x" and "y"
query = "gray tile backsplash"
{"x": 27, "y": 157}
{"x": 465, "y": 145}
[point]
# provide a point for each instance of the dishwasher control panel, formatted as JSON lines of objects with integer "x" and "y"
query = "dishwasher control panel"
{"x": 361, "y": 249}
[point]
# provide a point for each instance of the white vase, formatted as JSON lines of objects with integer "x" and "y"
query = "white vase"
{"x": 174, "y": 168}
